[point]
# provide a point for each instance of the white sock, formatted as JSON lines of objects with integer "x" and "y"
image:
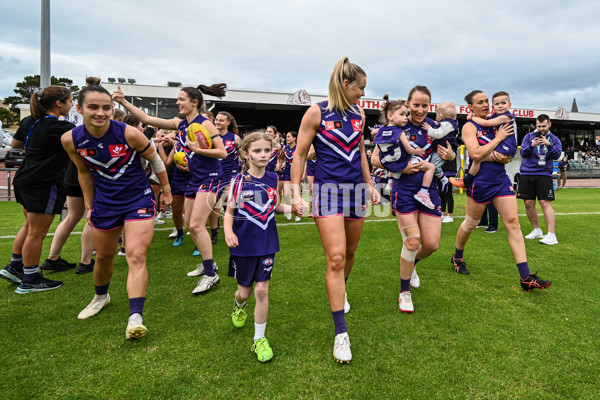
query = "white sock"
{"x": 99, "y": 297}
{"x": 240, "y": 305}
{"x": 136, "y": 317}
{"x": 539, "y": 230}
{"x": 259, "y": 330}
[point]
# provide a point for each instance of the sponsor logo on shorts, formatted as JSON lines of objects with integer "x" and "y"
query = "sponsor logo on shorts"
{"x": 144, "y": 211}
{"x": 268, "y": 263}
{"x": 356, "y": 125}
{"x": 117, "y": 150}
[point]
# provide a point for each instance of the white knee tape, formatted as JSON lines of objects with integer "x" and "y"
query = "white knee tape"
{"x": 403, "y": 232}
{"x": 469, "y": 224}
{"x": 408, "y": 255}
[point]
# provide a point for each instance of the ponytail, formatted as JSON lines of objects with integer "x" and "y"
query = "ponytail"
{"x": 44, "y": 100}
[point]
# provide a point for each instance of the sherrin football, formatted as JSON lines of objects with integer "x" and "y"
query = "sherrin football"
{"x": 180, "y": 159}
{"x": 198, "y": 133}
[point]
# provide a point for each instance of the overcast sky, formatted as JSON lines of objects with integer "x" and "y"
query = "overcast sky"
{"x": 544, "y": 53}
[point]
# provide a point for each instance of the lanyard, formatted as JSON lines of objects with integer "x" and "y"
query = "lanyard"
{"x": 33, "y": 126}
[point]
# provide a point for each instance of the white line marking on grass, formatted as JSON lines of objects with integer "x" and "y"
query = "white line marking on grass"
{"x": 312, "y": 223}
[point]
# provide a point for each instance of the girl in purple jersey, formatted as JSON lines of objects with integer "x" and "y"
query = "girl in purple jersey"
{"x": 227, "y": 127}
{"x": 117, "y": 198}
{"x": 419, "y": 225}
{"x": 205, "y": 171}
{"x": 251, "y": 234}
{"x": 335, "y": 129}
{"x": 273, "y": 165}
{"x": 491, "y": 185}
{"x": 288, "y": 157}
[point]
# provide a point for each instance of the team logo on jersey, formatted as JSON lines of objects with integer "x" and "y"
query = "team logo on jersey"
{"x": 413, "y": 137}
{"x": 229, "y": 143}
{"x": 248, "y": 195}
{"x": 331, "y": 125}
{"x": 117, "y": 150}
{"x": 88, "y": 152}
{"x": 356, "y": 125}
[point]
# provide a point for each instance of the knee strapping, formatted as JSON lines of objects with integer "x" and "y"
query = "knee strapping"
{"x": 410, "y": 231}
{"x": 408, "y": 255}
{"x": 469, "y": 224}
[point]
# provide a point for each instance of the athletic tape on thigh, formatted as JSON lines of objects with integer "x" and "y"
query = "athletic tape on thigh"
{"x": 403, "y": 232}
{"x": 469, "y": 224}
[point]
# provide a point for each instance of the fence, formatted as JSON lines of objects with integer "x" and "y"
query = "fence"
{"x": 6, "y": 188}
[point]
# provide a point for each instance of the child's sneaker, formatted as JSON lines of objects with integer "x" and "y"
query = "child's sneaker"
{"x": 424, "y": 199}
{"x": 262, "y": 349}
{"x": 239, "y": 315}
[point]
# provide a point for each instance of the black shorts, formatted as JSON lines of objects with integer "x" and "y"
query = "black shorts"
{"x": 535, "y": 186}
{"x": 41, "y": 200}
{"x": 73, "y": 190}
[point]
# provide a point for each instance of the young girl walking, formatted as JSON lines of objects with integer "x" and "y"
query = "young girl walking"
{"x": 251, "y": 234}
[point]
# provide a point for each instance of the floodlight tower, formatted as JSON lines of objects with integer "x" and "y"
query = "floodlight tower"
{"x": 45, "y": 45}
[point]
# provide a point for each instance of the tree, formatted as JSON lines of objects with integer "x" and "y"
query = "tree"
{"x": 29, "y": 85}
{"x": 8, "y": 117}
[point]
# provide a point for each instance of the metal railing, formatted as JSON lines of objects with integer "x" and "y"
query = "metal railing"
{"x": 6, "y": 187}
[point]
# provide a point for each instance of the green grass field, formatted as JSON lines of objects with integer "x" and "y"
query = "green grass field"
{"x": 475, "y": 336}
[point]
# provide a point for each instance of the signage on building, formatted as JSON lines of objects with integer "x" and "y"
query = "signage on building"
{"x": 299, "y": 97}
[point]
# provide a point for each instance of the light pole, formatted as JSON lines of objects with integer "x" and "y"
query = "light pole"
{"x": 45, "y": 45}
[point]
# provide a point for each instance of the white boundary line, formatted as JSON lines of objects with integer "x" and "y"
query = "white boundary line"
{"x": 312, "y": 223}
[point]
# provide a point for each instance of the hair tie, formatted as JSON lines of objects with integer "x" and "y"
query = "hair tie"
{"x": 39, "y": 94}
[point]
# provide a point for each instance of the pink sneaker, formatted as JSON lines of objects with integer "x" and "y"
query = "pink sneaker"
{"x": 424, "y": 199}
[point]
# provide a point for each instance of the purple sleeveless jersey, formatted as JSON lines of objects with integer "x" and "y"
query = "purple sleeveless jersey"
{"x": 393, "y": 156}
{"x": 254, "y": 218}
{"x": 337, "y": 147}
{"x": 119, "y": 178}
{"x": 201, "y": 167}
{"x": 231, "y": 163}
{"x": 418, "y": 136}
{"x": 288, "y": 156}
{"x": 273, "y": 160}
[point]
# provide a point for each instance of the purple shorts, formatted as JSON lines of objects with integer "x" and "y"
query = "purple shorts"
{"x": 108, "y": 219}
{"x": 179, "y": 182}
{"x": 248, "y": 270}
{"x": 207, "y": 185}
{"x": 404, "y": 202}
{"x": 484, "y": 193}
{"x": 331, "y": 199}
{"x": 310, "y": 168}
{"x": 508, "y": 146}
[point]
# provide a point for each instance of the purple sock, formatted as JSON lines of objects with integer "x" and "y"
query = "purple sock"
{"x": 209, "y": 267}
{"x": 404, "y": 285}
{"x": 102, "y": 290}
{"x": 16, "y": 261}
{"x": 214, "y": 231}
{"x": 340, "y": 321}
{"x": 524, "y": 269}
{"x": 459, "y": 253}
{"x": 136, "y": 305}
{"x": 31, "y": 273}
